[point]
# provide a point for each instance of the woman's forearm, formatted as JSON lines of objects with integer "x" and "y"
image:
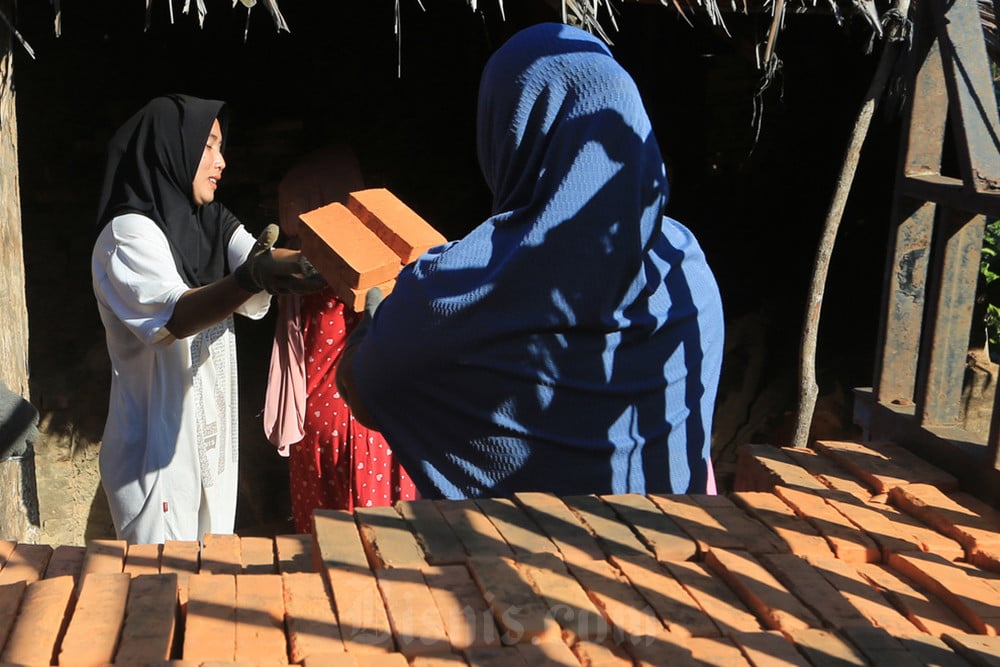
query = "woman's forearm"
{"x": 201, "y": 307}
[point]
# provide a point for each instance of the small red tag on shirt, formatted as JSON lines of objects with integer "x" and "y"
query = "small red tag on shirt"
{"x": 166, "y": 507}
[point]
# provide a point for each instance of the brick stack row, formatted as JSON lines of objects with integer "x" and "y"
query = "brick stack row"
{"x": 840, "y": 554}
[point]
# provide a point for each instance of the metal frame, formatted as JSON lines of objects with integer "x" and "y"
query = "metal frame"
{"x": 935, "y": 247}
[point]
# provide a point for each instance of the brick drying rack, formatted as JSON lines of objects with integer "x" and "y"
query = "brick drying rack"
{"x": 842, "y": 554}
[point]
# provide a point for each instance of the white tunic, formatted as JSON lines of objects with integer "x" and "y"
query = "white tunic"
{"x": 169, "y": 456}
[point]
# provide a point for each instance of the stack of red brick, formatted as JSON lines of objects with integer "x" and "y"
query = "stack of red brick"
{"x": 843, "y": 554}
{"x": 365, "y": 243}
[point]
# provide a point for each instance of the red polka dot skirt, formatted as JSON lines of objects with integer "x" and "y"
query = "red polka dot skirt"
{"x": 339, "y": 464}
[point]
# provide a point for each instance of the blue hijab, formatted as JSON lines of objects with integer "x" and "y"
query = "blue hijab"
{"x": 572, "y": 342}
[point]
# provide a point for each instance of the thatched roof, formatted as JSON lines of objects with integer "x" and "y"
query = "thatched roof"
{"x": 597, "y": 16}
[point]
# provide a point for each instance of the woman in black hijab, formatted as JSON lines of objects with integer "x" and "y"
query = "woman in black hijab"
{"x": 163, "y": 274}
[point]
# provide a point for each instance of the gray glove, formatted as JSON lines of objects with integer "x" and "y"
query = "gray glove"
{"x": 18, "y": 424}
{"x": 262, "y": 272}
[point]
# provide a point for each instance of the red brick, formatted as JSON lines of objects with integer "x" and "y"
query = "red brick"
{"x": 717, "y": 652}
{"x": 770, "y": 648}
{"x": 564, "y": 528}
{"x": 568, "y": 602}
{"x": 980, "y": 651}
{"x": 40, "y": 619}
{"x": 10, "y": 602}
{"x": 361, "y": 611}
{"x": 814, "y": 590}
{"x": 884, "y": 467}
{"x": 210, "y": 621}
{"x": 413, "y": 615}
{"x": 92, "y": 633}
{"x": 671, "y": 601}
{"x": 519, "y": 611}
{"x": 311, "y": 624}
{"x": 824, "y": 647}
{"x": 931, "y": 651}
{"x": 881, "y": 648}
{"x": 631, "y": 616}
{"x": 775, "y": 605}
{"x": 104, "y": 556}
{"x": 974, "y": 602}
{"x": 665, "y": 648}
{"x": 338, "y": 659}
{"x": 336, "y": 543}
{"x": 516, "y": 527}
{"x": 698, "y": 522}
{"x": 66, "y": 560}
{"x": 828, "y": 472}
{"x": 294, "y": 553}
{"x": 354, "y": 298}
{"x": 928, "y": 613}
{"x": 183, "y": 558}
{"x": 387, "y": 538}
{"x": 180, "y": 556}
{"x": 27, "y": 562}
{"x": 601, "y": 654}
{"x": 658, "y": 532}
{"x": 612, "y": 533}
{"x": 861, "y": 594}
{"x": 757, "y": 535}
{"x": 380, "y": 660}
{"x": 473, "y": 528}
{"x": 719, "y": 601}
{"x": 260, "y": 620}
{"x": 221, "y": 554}
{"x": 436, "y": 538}
{"x": 448, "y": 660}
{"x": 257, "y": 555}
{"x": 399, "y": 226}
{"x": 795, "y": 533}
{"x": 760, "y": 467}
{"x": 142, "y": 559}
{"x": 344, "y": 250}
{"x": 550, "y": 654}
{"x": 466, "y": 616}
{"x": 150, "y": 619}
{"x": 847, "y": 541}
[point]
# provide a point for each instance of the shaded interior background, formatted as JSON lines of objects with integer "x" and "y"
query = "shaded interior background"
{"x": 751, "y": 175}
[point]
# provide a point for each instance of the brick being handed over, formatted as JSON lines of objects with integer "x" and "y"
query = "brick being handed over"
{"x": 399, "y": 227}
{"x": 364, "y": 244}
{"x": 344, "y": 250}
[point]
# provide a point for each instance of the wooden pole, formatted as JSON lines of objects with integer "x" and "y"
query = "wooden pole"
{"x": 808, "y": 389}
{"x": 18, "y": 495}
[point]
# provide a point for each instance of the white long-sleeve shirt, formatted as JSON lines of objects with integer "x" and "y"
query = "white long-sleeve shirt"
{"x": 169, "y": 455}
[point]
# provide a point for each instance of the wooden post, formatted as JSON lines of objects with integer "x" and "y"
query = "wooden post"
{"x": 18, "y": 494}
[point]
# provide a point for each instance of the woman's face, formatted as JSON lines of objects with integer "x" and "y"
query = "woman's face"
{"x": 206, "y": 179}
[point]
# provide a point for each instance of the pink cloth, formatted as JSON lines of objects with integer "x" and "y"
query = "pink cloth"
{"x": 285, "y": 400}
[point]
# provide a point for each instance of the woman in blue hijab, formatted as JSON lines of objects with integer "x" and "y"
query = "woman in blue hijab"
{"x": 572, "y": 342}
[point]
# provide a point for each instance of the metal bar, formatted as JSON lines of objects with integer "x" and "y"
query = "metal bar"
{"x": 905, "y": 274}
{"x": 900, "y": 328}
{"x": 952, "y": 193}
{"x": 956, "y": 250}
{"x": 972, "y": 101}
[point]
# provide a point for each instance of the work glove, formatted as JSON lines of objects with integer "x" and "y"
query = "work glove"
{"x": 265, "y": 273}
{"x": 262, "y": 272}
{"x": 18, "y": 424}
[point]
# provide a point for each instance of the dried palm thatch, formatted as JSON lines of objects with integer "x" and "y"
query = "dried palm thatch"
{"x": 599, "y": 17}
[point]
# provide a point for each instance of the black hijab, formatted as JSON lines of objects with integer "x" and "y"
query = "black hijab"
{"x": 152, "y": 161}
